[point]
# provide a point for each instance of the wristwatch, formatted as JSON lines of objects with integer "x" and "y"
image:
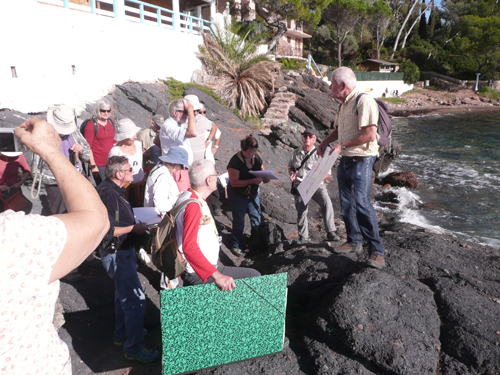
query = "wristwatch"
{"x": 342, "y": 146}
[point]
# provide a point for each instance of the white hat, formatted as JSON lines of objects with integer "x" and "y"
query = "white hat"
{"x": 11, "y": 154}
{"x": 63, "y": 118}
{"x": 176, "y": 155}
{"x": 193, "y": 99}
{"x": 125, "y": 128}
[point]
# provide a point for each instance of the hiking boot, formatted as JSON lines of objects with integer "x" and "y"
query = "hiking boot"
{"x": 237, "y": 251}
{"x": 304, "y": 239}
{"x": 144, "y": 356}
{"x": 332, "y": 236}
{"x": 120, "y": 343}
{"x": 376, "y": 261}
{"x": 347, "y": 248}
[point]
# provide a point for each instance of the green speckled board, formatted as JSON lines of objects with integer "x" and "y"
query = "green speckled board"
{"x": 204, "y": 327}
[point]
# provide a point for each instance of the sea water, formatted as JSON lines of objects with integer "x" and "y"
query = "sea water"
{"x": 457, "y": 160}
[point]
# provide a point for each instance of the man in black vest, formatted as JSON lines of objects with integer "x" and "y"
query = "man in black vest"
{"x": 119, "y": 259}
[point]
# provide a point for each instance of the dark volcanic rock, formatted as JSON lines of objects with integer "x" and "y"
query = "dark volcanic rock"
{"x": 316, "y": 83}
{"x": 319, "y": 106}
{"x": 388, "y": 321}
{"x": 402, "y": 179}
{"x": 470, "y": 310}
{"x": 297, "y": 115}
{"x": 327, "y": 362}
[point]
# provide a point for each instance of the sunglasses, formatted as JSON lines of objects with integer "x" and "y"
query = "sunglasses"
{"x": 105, "y": 110}
{"x": 203, "y": 112}
{"x": 184, "y": 112}
{"x": 308, "y": 135}
{"x": 127, "y": 170}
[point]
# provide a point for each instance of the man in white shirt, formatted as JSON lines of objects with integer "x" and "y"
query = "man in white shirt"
{"x": 161, "y": 189}
{"x": 173, "y": 134}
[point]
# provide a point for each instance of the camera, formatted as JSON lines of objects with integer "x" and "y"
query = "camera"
{"x": 9, "y": 144}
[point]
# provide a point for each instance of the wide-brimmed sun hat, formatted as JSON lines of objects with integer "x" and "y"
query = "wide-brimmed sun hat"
{"x": 176, "y": 155}
{"x": 158, "y": 119}
{"x": 63, "y": 118}
{"x": 193, "y": 99}
{"x": 125, "y": 128}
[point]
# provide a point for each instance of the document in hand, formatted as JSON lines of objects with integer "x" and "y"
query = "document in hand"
{"x": 203, "y": 326}
{"x": 266, "y": 173}
{"x": 316, "y": 175}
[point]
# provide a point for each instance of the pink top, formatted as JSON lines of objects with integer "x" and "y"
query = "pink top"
{"x": 9, "y": 169}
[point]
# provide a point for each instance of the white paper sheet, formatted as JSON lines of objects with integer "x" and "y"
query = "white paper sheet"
{"x": 316, "y": 175}
{"x": 146, "y": 215}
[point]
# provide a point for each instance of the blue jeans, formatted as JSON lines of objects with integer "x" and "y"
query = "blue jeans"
{"x": 130, "y": 301}
{"x": 239, "y": 207}
{"x": 354, "y": 179}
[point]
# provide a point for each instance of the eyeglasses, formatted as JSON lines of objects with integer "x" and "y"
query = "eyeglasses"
{"x": 127, "y": 170}
{"x": 105, "y": 110}
{"x": 184, "y": 112}
{"x": 308, "y": 135}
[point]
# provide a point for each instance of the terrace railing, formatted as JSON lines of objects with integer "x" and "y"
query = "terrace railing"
{"x": 140, "y": 12}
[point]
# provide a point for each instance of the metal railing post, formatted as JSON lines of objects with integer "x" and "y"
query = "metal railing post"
{"x": 92, "y": 6}
{"x": 141, "y": 12}
{"x": 66, "y": 4}
{"x": 158, "y": 17}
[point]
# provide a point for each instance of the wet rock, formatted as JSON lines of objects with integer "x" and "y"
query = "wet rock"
{"x": 384, "y": 304}
{"x": 403, "y": 179}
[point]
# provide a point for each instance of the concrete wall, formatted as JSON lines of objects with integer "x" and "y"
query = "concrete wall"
{"x": 378, "y": 89}
{"x": 43, "y": 42}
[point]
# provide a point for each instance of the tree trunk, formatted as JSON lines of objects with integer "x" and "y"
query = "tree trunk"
{"x": 282, "y": 29}
{"x": 413, "y": 25}
{"x": 415, "y": 2}
{"x": 274, "y": 22}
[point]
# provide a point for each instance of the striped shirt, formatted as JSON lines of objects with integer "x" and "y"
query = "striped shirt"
{"x": 350, "y": 121}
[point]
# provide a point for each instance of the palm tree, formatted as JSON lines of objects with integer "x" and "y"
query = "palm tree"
{"x": 240, "y": 76}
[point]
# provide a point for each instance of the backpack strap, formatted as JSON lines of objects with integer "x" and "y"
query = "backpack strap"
{"x": 176, "y": 209}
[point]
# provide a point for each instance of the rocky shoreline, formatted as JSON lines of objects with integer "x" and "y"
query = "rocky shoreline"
{"x": 433, "y": 309}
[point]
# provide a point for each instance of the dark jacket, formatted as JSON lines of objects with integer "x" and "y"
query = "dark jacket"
{"x": 111, "y": 194}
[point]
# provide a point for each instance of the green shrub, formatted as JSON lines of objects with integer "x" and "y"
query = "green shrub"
{"x": 489, "y": 93}
{"x": 396, "y": 100}
{"x": 176, "y": 89}
{"x": 292, "y": 64}
{"x": 410, "y": 70}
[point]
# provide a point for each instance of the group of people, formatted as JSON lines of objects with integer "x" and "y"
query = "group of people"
{"x": 180, "y": 151}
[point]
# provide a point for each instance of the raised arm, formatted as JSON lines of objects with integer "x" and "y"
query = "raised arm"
{"x": 87, "y": 220}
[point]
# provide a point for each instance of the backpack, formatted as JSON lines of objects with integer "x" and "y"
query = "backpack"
{"x": 164, "y": 248}
{"x": 384, "y": 124}
{"x": 96, "y": 126}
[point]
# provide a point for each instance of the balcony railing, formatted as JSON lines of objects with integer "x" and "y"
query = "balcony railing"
{"x": 140, "y": 12}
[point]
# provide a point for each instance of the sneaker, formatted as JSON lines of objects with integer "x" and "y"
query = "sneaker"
{"x": 347, "y": 248}
{"x": 120, "y": 343}
{"x": 218, "y": 212}
{"x": 237, "y": 251}
{"x": 143, "y": 256}
{"x": 376, "y": 261}
{"x": 144, "y": 356}
{"x": 332, "y": 236}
